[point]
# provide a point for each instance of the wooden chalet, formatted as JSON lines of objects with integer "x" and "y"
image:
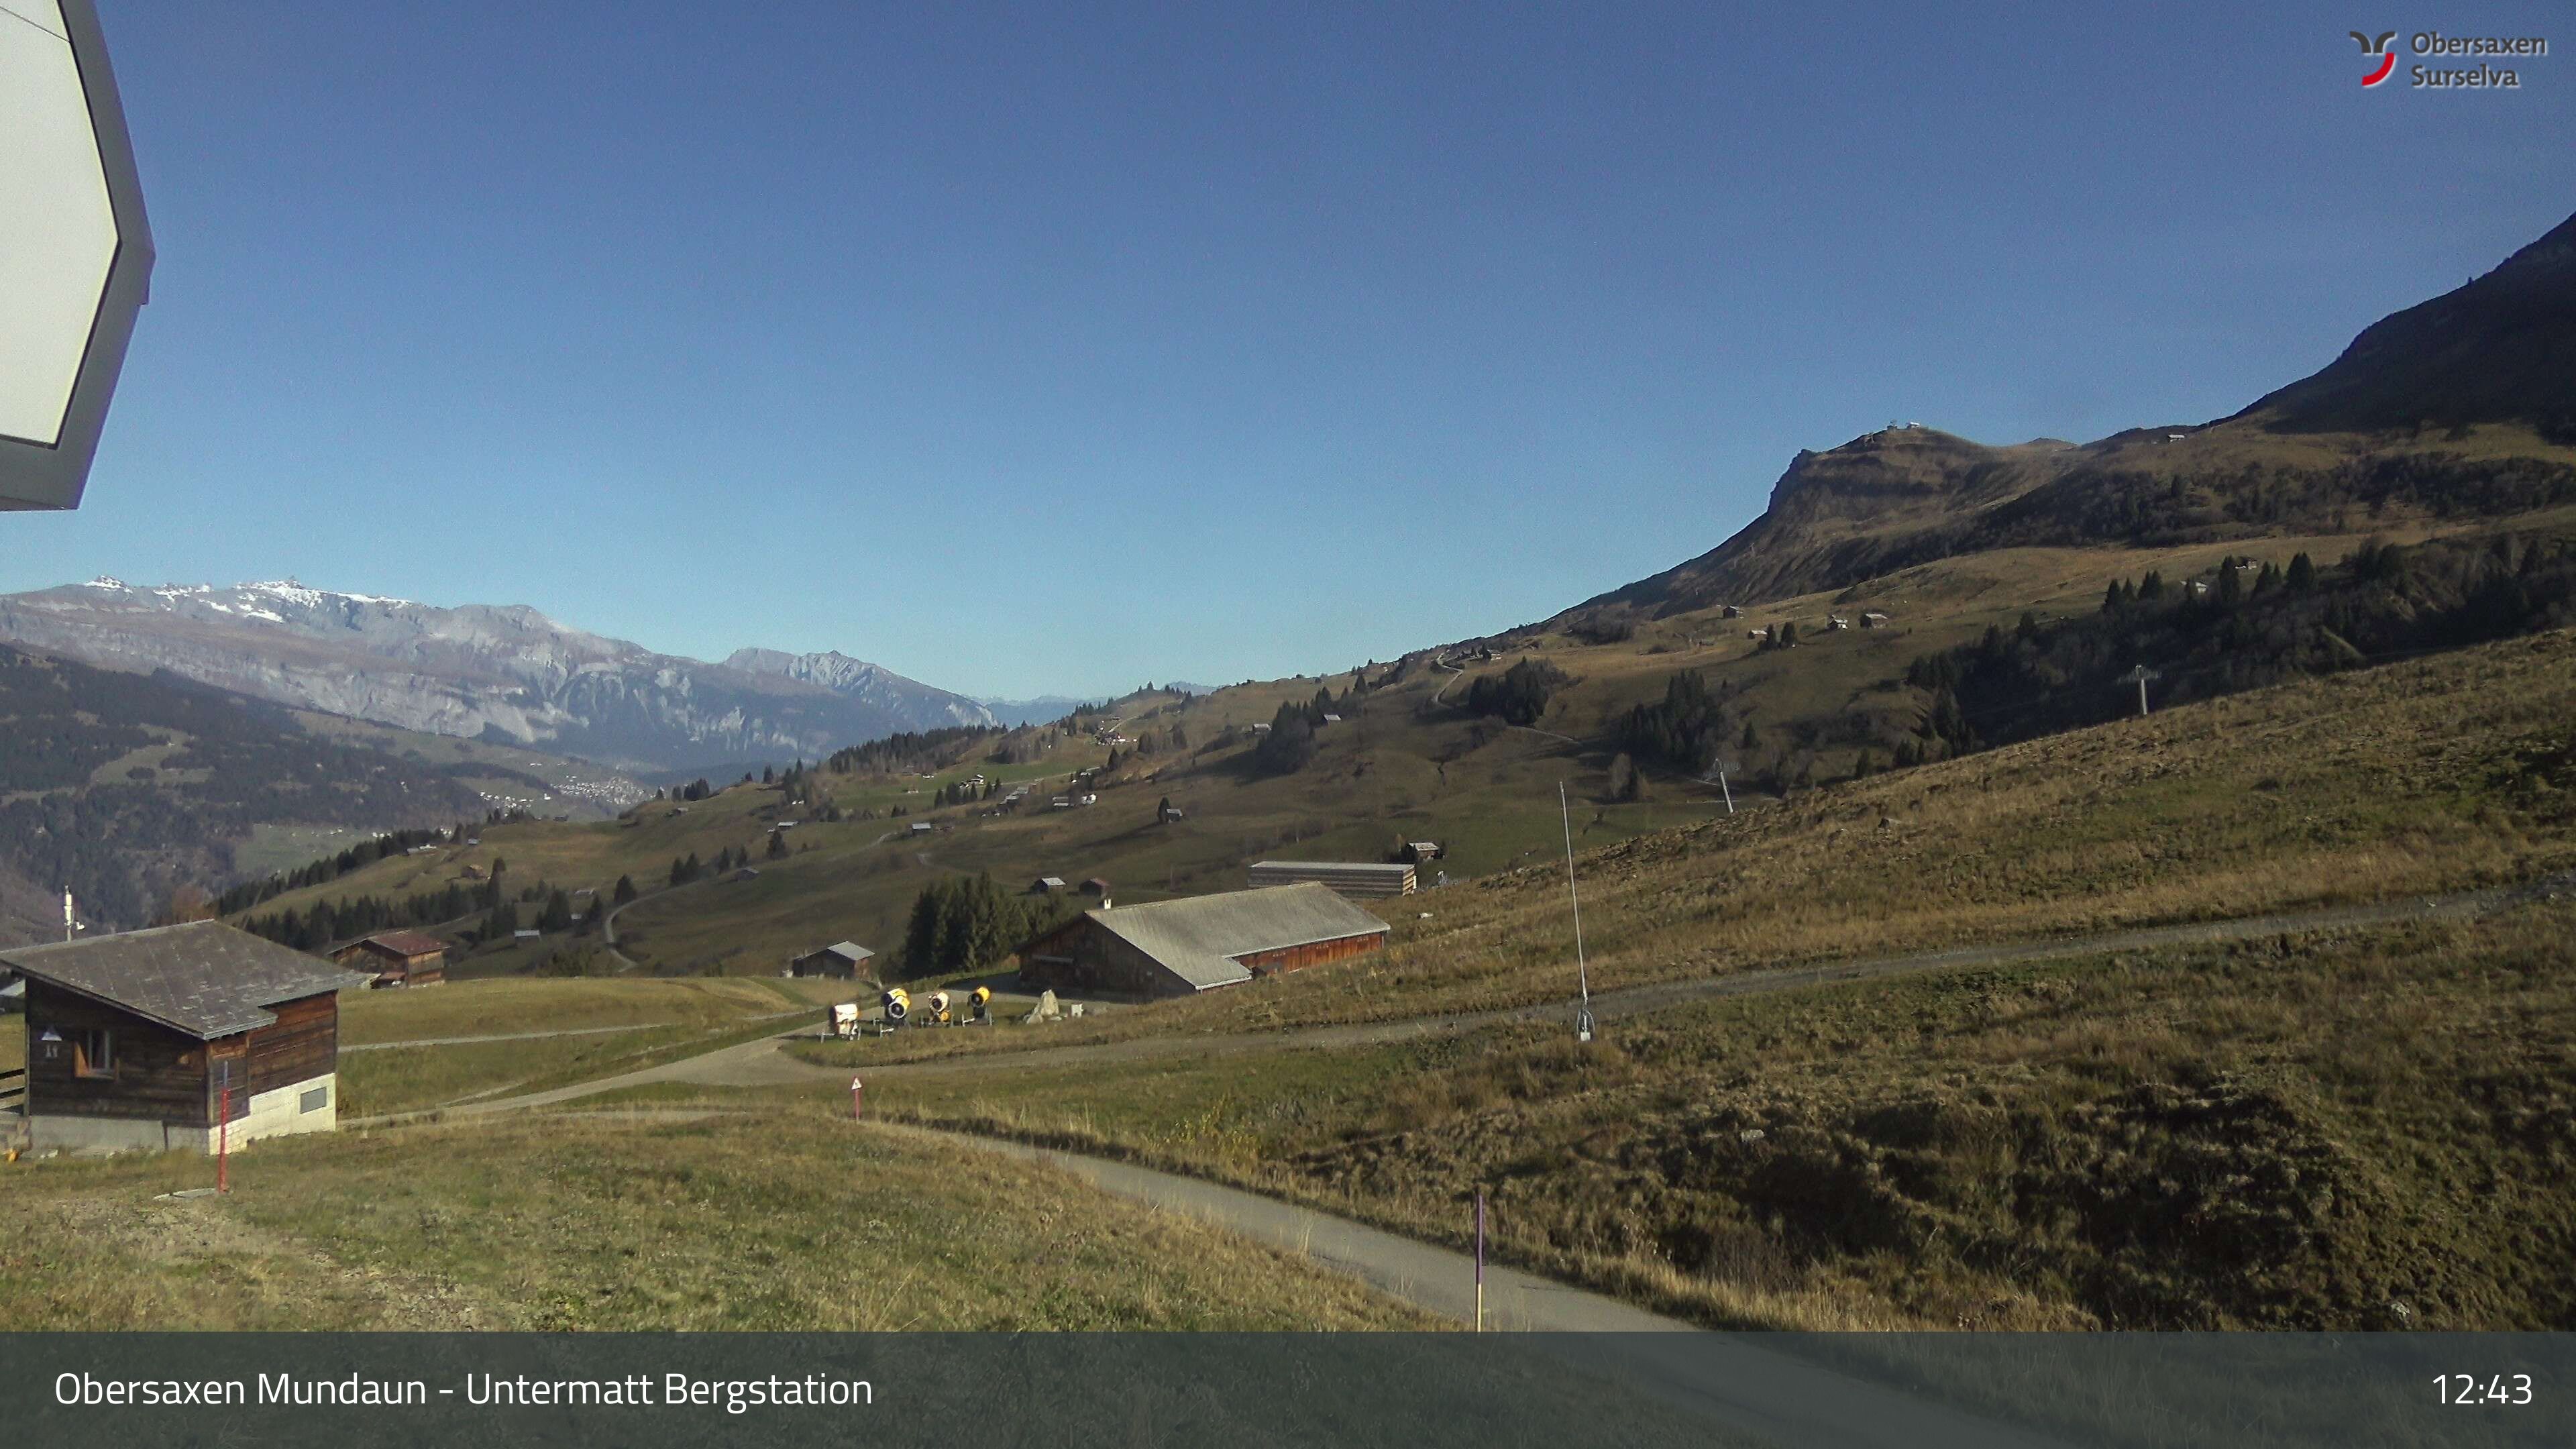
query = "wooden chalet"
{"x": 841, "y": 961}
{"x": 397, "y": 958}
{"x": 151, "y": 1039}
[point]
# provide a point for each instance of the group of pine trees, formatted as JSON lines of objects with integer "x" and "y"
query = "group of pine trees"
{"x": 1518, "y": 695}
{"x": 910, "y": 752}
{"x": 796, "y": 785}
{"x": 329, "y": 868}
{"x": 2231, "y": 587}
{"x": 2250, "y": 627}
{"x": 2253, "y": 624}
{"x": 963, "y": 923}
{"x": 685, "y": 869}
{"x": 1687, "y": 729}
{"x": 1289, "y": 744}
{"x": 328, "y": 923}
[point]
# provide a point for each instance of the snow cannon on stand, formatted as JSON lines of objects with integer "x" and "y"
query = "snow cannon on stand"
{"x": 981, "y": 1000}
{"x": 897, "y": 1003}
{"x": 936, "y": 1004}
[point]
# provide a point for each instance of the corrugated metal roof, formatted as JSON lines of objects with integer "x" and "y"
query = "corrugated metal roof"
{"x": 203, "y": 978}
{"x": 1196, "y": 937}
{"x": 850, "y": 951}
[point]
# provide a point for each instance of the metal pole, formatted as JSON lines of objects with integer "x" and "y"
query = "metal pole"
{"x": 1480, "y": 1260}
{"x": 1582, "y": 971}
{"x": 854, "y": 1099}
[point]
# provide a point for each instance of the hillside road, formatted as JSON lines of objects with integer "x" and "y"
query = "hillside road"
{"x": 1732, "y": 1379}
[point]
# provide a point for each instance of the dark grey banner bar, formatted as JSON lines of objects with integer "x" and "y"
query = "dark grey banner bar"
{"x": 1245, "y": 1391}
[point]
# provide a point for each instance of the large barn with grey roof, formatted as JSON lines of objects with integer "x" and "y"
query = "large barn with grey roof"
{"x": 133, "y": 1039}
{"x": 1198, "y": 943}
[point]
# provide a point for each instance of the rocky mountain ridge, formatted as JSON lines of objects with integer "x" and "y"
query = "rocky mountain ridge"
{"x": 482, "y": 671}
{"x": 2461, "y": 406}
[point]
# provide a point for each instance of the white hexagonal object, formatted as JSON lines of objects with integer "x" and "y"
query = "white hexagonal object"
{"x": 75, "y": 252}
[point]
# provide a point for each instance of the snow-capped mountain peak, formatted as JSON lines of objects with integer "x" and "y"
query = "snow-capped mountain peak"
{"x": 483, "y": 671}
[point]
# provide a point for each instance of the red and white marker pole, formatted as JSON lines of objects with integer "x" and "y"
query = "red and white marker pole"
{"x": 224, "y": 1132}
{"x": 855, "y": 1099}
{"x": 1480, "y": 1260}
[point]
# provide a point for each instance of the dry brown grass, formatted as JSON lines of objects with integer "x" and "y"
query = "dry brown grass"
{"x": 2291, "y": 1133}
{"x": 495, "y": 1007}
{"x": 2415, "y": 778}
{"x": 793, "y": 1220}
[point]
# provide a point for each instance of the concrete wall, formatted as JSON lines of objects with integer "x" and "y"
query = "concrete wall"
{"x": 271, "y": 1114}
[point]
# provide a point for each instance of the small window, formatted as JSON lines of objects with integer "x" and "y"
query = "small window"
{"x": 315, "y": 1100}
{"x": 93, "y": 1052}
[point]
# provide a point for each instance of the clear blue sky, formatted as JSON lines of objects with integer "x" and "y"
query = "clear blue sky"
{"x": 1024, "y": 351}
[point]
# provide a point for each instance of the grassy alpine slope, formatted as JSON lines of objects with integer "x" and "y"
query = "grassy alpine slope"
{"x": 602, "y": 1223}
{"x": 2343, "y": 1131}
{"x": 2310, "y": 1131}
{"x": 2446, "y": 773}
{"x": 599, "y": 1027}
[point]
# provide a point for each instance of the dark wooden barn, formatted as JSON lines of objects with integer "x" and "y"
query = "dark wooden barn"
{"x": 397, "y": 958}
{"x": 134, "y": 1039}
{"x": 842, "y": 961}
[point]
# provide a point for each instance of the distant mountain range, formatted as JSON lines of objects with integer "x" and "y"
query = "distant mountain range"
{"x": 500, "y": 673}
{"x": 2462, "y": 406}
